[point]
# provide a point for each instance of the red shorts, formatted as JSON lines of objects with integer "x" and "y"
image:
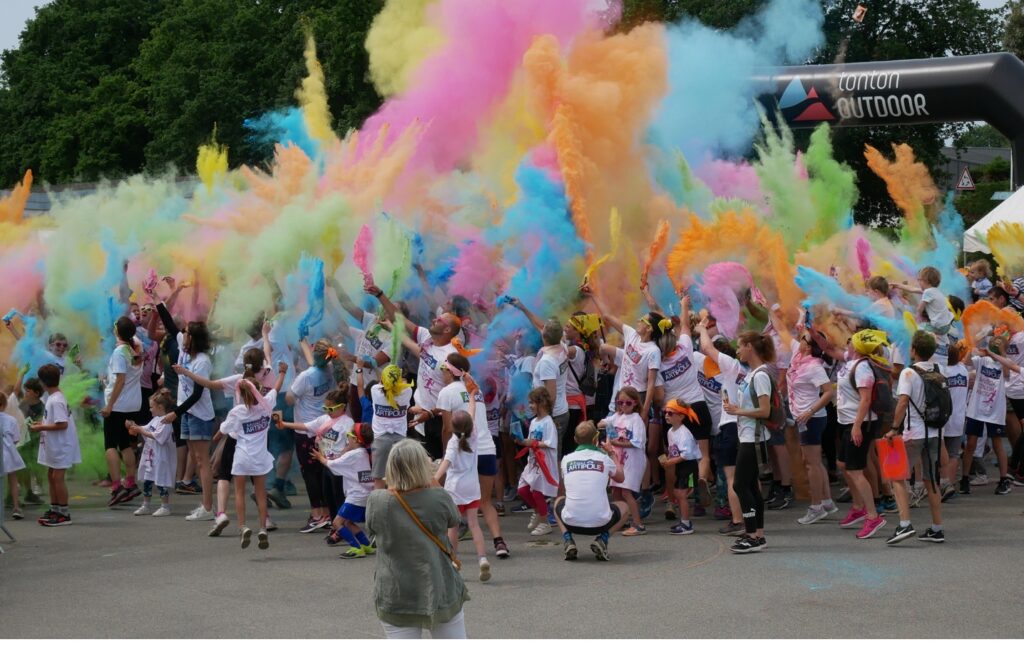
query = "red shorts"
{"x": 469, "y": 506}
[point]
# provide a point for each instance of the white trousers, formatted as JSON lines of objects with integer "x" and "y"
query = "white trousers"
{"x": 451, "y": 630}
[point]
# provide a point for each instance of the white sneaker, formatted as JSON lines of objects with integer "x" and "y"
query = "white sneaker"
{"x": 813, "y": 515}
{"x": 271, "y": 526}
{"x": 543, "y": 528}
{"x": 485, "y": 570}
{"x": 163, "y": 511}
{"x": 143, "y": 509}
{"x": 200, "y": 514}
{"x": 831, "y": 508}
{"x": 534, "y": 520}
{"x": 979, "y": 479}
{"x": 220, "y": 522}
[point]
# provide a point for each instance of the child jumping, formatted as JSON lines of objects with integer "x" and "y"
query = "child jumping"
{"x": 159, "y": 459}
{"x": 353, "y": 466}
{"x": 248, "y": 423}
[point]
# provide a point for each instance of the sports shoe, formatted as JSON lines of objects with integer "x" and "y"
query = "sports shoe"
{"x": 17, "y": 514}
{"x": 831, "y": 508}
{"x": 200, "y": 514}
{"x": 917, "y": 495}
{"x": 697, "y": 510}
{"x": 58, "y": 519}
{"x": 220, "y": 522}
{"x": 600, "y": 549}
{"x": 116, "y": 496}
{"x": 682, "y": 528}
{"x": 948, "y": 492}
{"x": 353, "y": 553}
{"x": 500, "y": 508}
{"x": 163, "y": 511}
{"x": 965, "y": 486}
{"x": 774, "y": 493}
{"x": 509, "y": 495}
{"x": 901, "y": 533}
{"x": 369, "y": 548}
{"x": 46, "y": 517}
{"x": 542, "y": 528}
{"x": 723, "y": 513}
{"x": 747, "y": 544}
{"x": 782, "y": 501}
{"x": 731, "y": 529}
{"x": 853, "y": 518}
{"x": 522, "y": 507}
{"x": 143, "y": 509}
{"x": 870, "y": 527}
{"x": 646, "y": 503}
{"x": 246, "y": 536}
{"x": 934, "y": 536}
{"x": 634, "y": 531}
{"x": 333, "y": 538}
{"x": 131, "y": 493}
{"x": 263, "y": 539}
{"x": 813, "y": 515}
{"x": 844, "y": 496}
{"x": 485, "y": 570}
{"x": 188, "y": 488}
{"x": 889, "y": 504}
{"x": 278, "y": 498}
{"x": 464, "y": 532}
{"x": 979, "y": 479}
{"x": 534, "y": 521}
{"x": 271, "y": 526}
{"x": 1005, "y": 486}
{"x": 570, "y": 551}
{"x": 501, "y": 549}
{"x": 1018, "y": 480}
{"x": 314, "y": 523}
{"x": 670, "y": 513}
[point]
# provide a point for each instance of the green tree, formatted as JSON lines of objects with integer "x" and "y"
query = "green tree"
{"x": 981, "y": 135}
{"x": 720, "y": 15}
{"x": 1013, "y": 30}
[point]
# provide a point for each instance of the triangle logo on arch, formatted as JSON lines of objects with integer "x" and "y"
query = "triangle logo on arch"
{"x": 795, "y": 96}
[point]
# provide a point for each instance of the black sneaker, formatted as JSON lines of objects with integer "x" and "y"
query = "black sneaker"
{"x": 747, "y": 544}
{"x": 130, "y": 493}
{"x": 600, "y": 549}
{"x": 1005, "y": 486}
{"x": 116, "y": 496}
{"x": 278, "y": 498}
{"x": 782, "y": 501}
{"x": 571, "y": 552}
{"x": 773, "y": 495}
{"x": 500, "y": 549}
{"x": 1017, "y": 479}
{"x": 900, "y": 534}
{"x": 57, "y": 519}
{"x": 965, "y": 486}
{"x": 934, "y": 536}
{"x": 314, "y": 523}
{"x": 670, "y": 514}
{"x": 731, "y": 529}
{"x": 188, "y": 488}
{"x": 46, "y": 517}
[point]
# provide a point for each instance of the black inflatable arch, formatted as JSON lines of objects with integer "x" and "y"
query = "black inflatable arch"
{"x": 985, "y": 87}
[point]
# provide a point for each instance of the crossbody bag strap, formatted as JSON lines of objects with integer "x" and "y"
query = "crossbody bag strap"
{"x": 444, "y": 549}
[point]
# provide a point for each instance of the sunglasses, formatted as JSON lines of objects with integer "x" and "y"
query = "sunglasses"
{"x": 669, "y": 412}
{"x": 329, "y": 409}
{"x": 60, "y": 344}
{"x": 625, "y": 403}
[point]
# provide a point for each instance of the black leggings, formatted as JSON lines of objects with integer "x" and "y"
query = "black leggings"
{"x": 333, "y": 491}
{"x": 829, "y": 439}
{"x": 748, "y": 489}
{"x": 312, "y": 470}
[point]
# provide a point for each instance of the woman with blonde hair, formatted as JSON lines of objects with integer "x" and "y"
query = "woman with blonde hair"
{"x": 417, "y": 585}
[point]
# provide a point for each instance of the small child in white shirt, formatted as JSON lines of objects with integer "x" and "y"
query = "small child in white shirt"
{"x": 13, "y": 462}
{"x": 685, "y": 454}
{"x": 158, "y": 461}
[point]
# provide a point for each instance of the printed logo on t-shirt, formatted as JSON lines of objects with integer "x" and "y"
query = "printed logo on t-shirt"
{"x": 708, "y": 385}
{"x": 321, "y": 389}
{"x": 374, "y": 340}
{"x": 957, "y": 380}
{"x": 677, "y": 369}
{"x": 1012, "y": 349}
{"x": 256, "y": 426}
{"x": 673, "y": 451}
{"x": 428, "y": 359}
{"x": 624, "y": 433}
{"x": 633, "y": 354}
{"x": 563, "y": 368}
{"x": 493, "y": 414}
{"x": 331, "y": 434}
{"x": 384, "y": 411}
{"x": 992, "y": 372}
{"x": 588, "y": 465}
{"x": 365, "y": 476}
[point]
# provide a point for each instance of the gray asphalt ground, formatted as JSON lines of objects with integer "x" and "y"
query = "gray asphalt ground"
{"x": 112, "y": 575}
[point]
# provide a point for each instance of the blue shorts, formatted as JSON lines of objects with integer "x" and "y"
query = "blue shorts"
{"x": 193, "y": 428}
{"x": 811, "y": 434}
{"x": 974, "y": 427}
{"x": 727, "y": 443}
{"x": 350, "y": 512}
{"x": 487, "y": 465}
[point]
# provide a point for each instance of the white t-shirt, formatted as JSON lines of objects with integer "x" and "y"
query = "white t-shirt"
{"x": 309, "y": 389}
{"x": 386, "y": 418}
{"x": 249, "y": 427}
{"x": 265, "y": 378}
{"x": 492, "y": 402}
{"x": 58, "y": 449}
{"x": 732, "y": 375}
{"x": 757, "y": 383}
{"x": 936, "y": 308}
{"x": 370, "y": 340}
{"x": 679, "y": 376}
{"x": 577, "y": 364}
{"x": 428, "y": 379}
{"x": 454, "y": 397}
{"x": 620, "y": 357}
{"x": 956, "y": 380}
{"x": 587, "y": 472}
{"x": 988, "y": 397}
{"x": 544, "y": 430}
{"x": 848, "y": 398}
{"x": 199, "y": 365}
{"x": 682, "y": 443}
{"x": 1014, "y": 380}
{"x": 356, "y": 478}
{"x": 640, "y": 358}
{"x": 10, "y": 430}
{"x": 120, "y": 363}
{"x": 712, "y": 389}
{"x": 805, "y": 387}
{"x": 552, "y": 364}
{"x": 634, "y": 459}
{"x": 332, "y": 442}
{"x": 461, "y": 480}
{"x": 911, "y": 385}
{"x": 159, "y": 458}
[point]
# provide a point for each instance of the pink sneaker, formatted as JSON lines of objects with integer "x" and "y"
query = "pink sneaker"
{"x": 853, "y": 518}
{"x": 871, "y": 526}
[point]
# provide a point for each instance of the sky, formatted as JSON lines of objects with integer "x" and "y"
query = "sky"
{"x": 16, "y": 12}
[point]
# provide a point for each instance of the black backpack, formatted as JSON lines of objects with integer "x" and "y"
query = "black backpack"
{"x": 775, "y": 423}
{"x": 938, "y": 405}
{"x": 588, "y": 381}
{"x": 881, "y": 391}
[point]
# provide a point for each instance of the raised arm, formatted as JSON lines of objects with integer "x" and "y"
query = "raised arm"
{"x": 345, "y": 301}
{"x": 706, "y": 345}
{"x": 612, "y": 320}
{"x": 684, "y": 316}
{"x": 390, "y": 308}
{"x": 521, "y": 307}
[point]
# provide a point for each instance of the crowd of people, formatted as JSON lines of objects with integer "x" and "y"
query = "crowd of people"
{"x": 583, "y": 423}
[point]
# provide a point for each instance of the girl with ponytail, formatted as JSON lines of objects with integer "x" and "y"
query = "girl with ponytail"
{"x": 390, "y": 398}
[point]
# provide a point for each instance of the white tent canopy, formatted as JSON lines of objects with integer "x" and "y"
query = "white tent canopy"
{"x": 1009, "y": 210}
